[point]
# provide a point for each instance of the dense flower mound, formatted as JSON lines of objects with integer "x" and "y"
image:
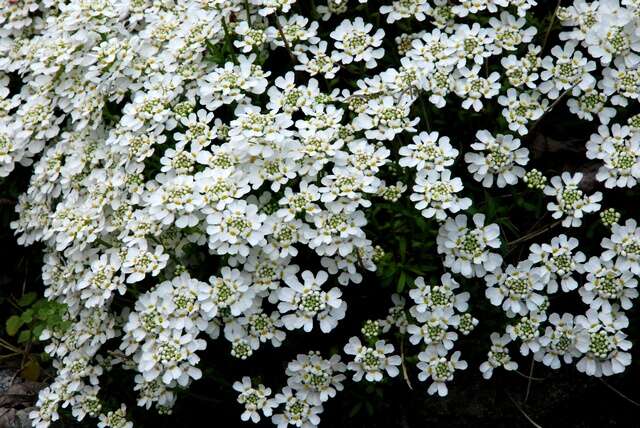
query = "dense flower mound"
{"x": 204, "y": 173}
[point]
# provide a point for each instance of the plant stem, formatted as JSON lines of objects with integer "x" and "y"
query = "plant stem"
{"x": 405, "y": 375}
{"x": 284, "y": 38}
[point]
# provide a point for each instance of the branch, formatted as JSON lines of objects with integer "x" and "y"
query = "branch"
{"x": 531, "y": 421}
{"x": 635, "y": 403}
{"x": 405, "y": 375}
{"x": 284, "y": 38}
{"x": 534, "y": 234}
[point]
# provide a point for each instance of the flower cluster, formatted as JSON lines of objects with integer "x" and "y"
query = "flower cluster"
{"x": 204, "y": 173}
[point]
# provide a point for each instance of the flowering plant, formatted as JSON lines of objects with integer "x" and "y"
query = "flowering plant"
{"x": 236, "y": 174}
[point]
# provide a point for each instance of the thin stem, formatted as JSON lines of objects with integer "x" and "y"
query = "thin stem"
{"x": 284, "y": 38}
{"x": 246, "y": 7}
{"x": 405, "y": 375}
{"x": 635, "y": 403}
{"x": 531, "y": 421}
{"x": 227, "y": 42}
{"x": 552, "y": 21}
{"x": 9, "y": 346}
{"x": 423, "y": 110}
{"x": 534, "y": 234}
{"x": 13, "y": 354}
{"x": 526, "y": 395}
{"x": 551, "y": 107}
{"x": 537, "y": 379}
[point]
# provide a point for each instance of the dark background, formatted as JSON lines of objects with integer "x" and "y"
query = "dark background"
{"x": 552, "y": 398}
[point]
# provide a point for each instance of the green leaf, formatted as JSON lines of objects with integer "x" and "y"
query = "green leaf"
{"x": 24, "y": 336}
{"x": 403, "y": 249}
{"x": 27, "y": 316}
{"x": 27, "y": 299}
{"x": 37, "y": 330}
{"x": 44, "y": 312}
{"x": 13, "y": 325}
{"x": 401, "y": 282}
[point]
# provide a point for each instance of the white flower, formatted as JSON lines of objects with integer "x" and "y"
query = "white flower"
{"x": 297, "y": 411}
{"x": 219, "y": 187}
{"x": 342, "y": 189}
{"x": 472, "y": 45}
{"x": 175, "y": 201}
{"x": 252, "y": 37}
{"x": 262, "y": 327}
{"x": 371, "y": 362}
{"x": 429, "y": 298}
{"x": 308, "y": 301}
{"x": 570, "y": 200}
{"x": 253, "y": 399}
{"x": 198, "y": 132}
{"x": 499, "y": 157}
{"x": 393, "y": 192}
{"x": 435, "y": 193}
{"x": 337, "y": 233}
{"x": 139, "y": 262}
{"x": 231, "y": 290}
{"x": 471, "y": 87}
{"x": 516, "y": 289}
{"x": 520, "y": 71}
{"x": 115, "y": 419}
{"x": 236, "y": 229}
{"x": 171, "y": 357}
{"x": 527, "y": 330}
{"x": 283, "y": 235}
{"x": 433, "y": 330}
{"x": 558, "y": 262}
{"x": 316, "y": 61}
{"x": 315, "y": 379}
{"x": 624, "y": 246}
{"x": 428, "y": 151}
{"x": 622, "y": 82}
{"x": 295, "y": 31}
{"x": 302, "y": 201}
{"x": 100, "y": 281}
{"x": 559, "y": 341}
{"x": 228, "y": 84}
{"x": 607, "y": 283}
{"x": 614, "y": 36}
{"x": 355, "y": 44}
{"x": 405, "y": 9}
{"x": 603, "y": 343}
{"x": 509, "y": 33}
{"x": 468, "y": 251}
{"x": 466, "y": 7}
{"x": 522, "y": 108}
{"x": 592, "y": 102}
{"x": 285, "y": 95}
{"x": 267, "y": 7}
{"x": 440, "y": 369}
{"x": 498, "y": 356}
{"x": 569, "y": 70}
{"x": 621, "y": 164}
{"x": 397, "y": 316}
{"x": 386, "y": 117}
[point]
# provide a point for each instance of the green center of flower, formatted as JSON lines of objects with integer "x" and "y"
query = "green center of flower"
{"x": 601, "y": 344}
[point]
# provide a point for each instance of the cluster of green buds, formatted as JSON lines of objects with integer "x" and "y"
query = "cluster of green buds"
{"x": 371, "y": 330}
{"x": 535, "y": 179}
{"x": 609, "y": 217}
